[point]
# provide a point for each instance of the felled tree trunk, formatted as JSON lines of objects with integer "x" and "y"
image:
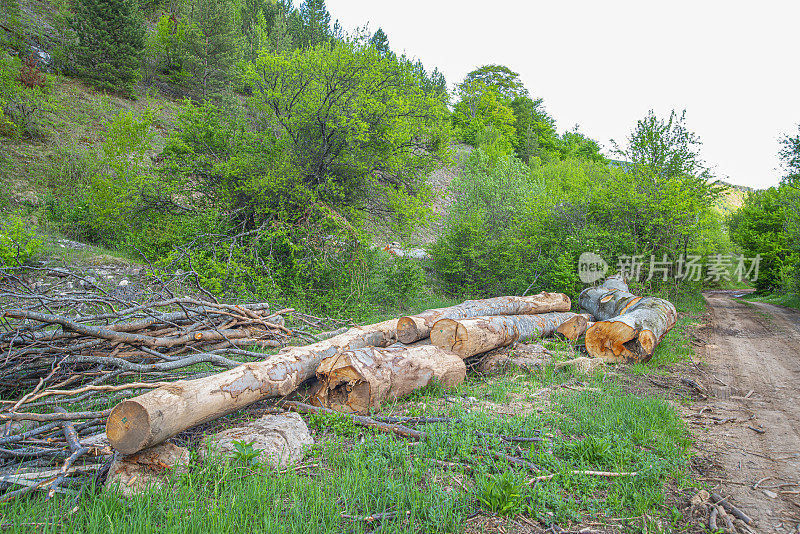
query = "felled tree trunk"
{"x": 629, "y": 327}
{"x": 360, "y": 379}
{"x": 416, "y": 327}
{"x": 573, "y": 329}
{"x": 467, "y": 337}
{"x": 153, "y": 417}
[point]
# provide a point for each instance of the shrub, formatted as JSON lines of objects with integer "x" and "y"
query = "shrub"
{"x": 18, "y": 245}
{"x": 29, "y": 74}
{"x": 24, "y": 98}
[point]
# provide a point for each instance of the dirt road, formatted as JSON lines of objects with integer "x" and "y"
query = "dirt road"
{"x": 750, "y": 425}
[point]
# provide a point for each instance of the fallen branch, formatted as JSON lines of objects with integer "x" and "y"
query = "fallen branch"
{"x": 718, "y": 499}
{"x": 400, "y": 430}
{"x": 609, "y": 474}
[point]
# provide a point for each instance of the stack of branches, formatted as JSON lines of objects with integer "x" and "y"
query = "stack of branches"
{"x": 74, "y": 343}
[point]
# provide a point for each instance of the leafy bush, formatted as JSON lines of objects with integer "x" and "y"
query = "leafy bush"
{"x": 24, "y": 98}
{"x": 760, "y": 227}
{"x": 501, "y": 494}
{"x": 18, "y": 245}
{"x": 517, "y": 230}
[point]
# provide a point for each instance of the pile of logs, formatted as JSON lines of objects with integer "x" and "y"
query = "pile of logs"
{"x": 628, "y": 327}
{"x": 355, "y": 370}
{"x": 108, "y": 348}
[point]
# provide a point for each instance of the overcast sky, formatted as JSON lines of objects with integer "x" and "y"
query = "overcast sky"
{"x": 732, "y": 65}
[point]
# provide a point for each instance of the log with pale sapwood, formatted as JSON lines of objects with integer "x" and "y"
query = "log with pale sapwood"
{"x": 573, "y": 329}
{"x": 467, "y": 337}
{"x": 628, "y": 327}
{"x": 415, "y": 327}
{"x": 153, "y": 417}
{"x": 360, "y": 379}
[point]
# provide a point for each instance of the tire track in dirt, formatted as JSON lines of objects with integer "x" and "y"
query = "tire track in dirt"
{"x": 751, "y": 353}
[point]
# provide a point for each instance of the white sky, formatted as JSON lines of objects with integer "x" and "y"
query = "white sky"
{"x": 602, "y": 64}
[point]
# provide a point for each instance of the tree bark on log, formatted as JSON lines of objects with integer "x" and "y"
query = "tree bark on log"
{"x": 360, "y": 379}
{"x": 153, "y": 417}
{"x": 573, "y": 329}
{"x": 415, "y": 327}
{"x": 467, "y": 337}
{"x": 629, "y": 327}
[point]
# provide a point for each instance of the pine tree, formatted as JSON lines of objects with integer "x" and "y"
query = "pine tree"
{"x": 316, "y": 23}
{"x": 110, "y": 40}
{"x": 211, "y": 45}
{"x": 380, "y": 41}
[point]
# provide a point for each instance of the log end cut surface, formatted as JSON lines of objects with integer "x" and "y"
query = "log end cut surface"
{"x": 574, "y": 328}
{"x": 448, "y": 334}
{"x": 616, "y": 342}
{"x": 407, "y": 331}
{"x": 128, "y": 427}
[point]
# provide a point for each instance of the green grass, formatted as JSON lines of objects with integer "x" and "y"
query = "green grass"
{"x": 780, "y": 299}
{"x": 607, "y": 430}
{"x": 676, "y": 347}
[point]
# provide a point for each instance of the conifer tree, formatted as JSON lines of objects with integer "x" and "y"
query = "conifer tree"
{"x": 380, "y": 41}
{"x": 316, "y": 23}
{"x": 211, "y": 45}
{"x": 110, "y": 40}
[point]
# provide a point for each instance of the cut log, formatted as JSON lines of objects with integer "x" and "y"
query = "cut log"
{"x": 526, "y": 357}
{"x": 153, "y": 417}
{"x": 629, "y": 327}
{"x": 573, "y": 329}
{"x": 467, "y": 337}
{"x": 416, "y": 327}
{"x": 360, "y": 379}
{"x": 608, "y": 300}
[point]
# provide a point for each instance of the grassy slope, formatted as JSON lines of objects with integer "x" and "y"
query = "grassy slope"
{"x": 74, "y": 125}
{"x": 781, "y": 299}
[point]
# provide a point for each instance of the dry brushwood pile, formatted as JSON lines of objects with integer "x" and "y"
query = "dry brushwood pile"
{"x": 66, "y": 340}
{"x": 91, "y": 348}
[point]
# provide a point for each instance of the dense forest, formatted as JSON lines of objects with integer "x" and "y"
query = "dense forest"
{"x": 288, "y": 139}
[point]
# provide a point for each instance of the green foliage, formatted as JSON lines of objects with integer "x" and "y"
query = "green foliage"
{"x": 210, "y": 46}
{"x": 516, "y": 230}
{"x": 498, "y": 78}
{"x": 12, "y": 29}
{"x": 165, "y": 50}
{"x": 245, "y": 453}
{"x": 575, "y": 145}
{"x": 316, "y": 23}
{"x": 759, "y": 227}
{"x": 22, "y": 106}
{"x": 354, "y": 121}
{"x": 380, "y": 41}
{"x": 536, "y": 138}
{"x": 18, "y": 244}
{"x": 477, "y": 249}
{"x": 501, "y": 494}
{"x": 482, "y": 108}
{"x": 664, "y": 148}
{"x": 110, "y": 40}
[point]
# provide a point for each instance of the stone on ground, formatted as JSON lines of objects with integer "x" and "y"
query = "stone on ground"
{"x": 283, "y": 439}
{"x": 148, "y": 469}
